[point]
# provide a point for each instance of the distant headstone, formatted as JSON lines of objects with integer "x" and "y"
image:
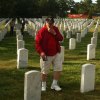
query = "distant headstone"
{"x": 72, "y": 43}
{"x": 22, "y": 59}
{"x": 68, "y": 34}
{"x": 95, "y": 34}
{"x": 62, "y": 53}
{"x": 0, "y": 36}
{"x": 18, "y": 32}
{"x": 90, "y": 51}
{"x": 96, "y": 30}
{"x": 73, "y": 31}
{"x": 78, "y": 37}
{"x": 19, "y": 37}
{"x": 20, "y": 44}
{"x": 94, "y": 40}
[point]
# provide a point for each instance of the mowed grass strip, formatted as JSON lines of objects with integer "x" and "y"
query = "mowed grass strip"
{"x": 12, "y": 79}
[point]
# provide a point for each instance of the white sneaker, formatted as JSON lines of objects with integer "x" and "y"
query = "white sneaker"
{"x": 43, "y": 88}
{"x": 56, "y": 87}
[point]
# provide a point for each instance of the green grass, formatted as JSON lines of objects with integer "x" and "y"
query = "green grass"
{"x": 12, "y": 79}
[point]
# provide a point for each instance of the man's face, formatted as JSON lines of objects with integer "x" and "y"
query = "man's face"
{"x": 49, "y": 24}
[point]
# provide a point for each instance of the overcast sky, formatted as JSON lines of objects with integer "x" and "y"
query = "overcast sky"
{"x": 80, "y": 0}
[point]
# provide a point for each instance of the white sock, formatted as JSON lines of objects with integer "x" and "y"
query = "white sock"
{"x": 54, "y": 82}
{"x": 43, "y": 83}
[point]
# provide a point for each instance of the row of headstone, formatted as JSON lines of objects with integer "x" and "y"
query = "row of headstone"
{"x": 72, "y": 41}
{"x": 95, "y": 35}
{"x": 7, "y": 25}
{"x": 32, "y": 82}
{"x": 91, "y": 48}
{"x": 33, "y": 27}
{"x": 70, "y": 31}
{"x": 22, "y": 53}
{"x": 91, "y": 24}
{"x": 79, "y": 36}
{"x": 2, "y": 21}
{"x": 3, "y": 32}
{"x": 64, "y": 25}
{"x": 32, "y": 85}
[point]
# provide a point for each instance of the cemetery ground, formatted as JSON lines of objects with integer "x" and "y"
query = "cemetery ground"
{"x": 12, "y": 79}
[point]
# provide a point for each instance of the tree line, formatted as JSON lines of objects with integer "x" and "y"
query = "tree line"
{"x": 39, "y": 8}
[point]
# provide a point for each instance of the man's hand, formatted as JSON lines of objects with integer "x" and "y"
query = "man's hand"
{"x": 51, "y": 30}
{"x": 43, "y": 56}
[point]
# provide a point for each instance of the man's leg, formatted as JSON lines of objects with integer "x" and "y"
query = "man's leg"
{"x": 43, "y": 78}
{"x": 57, "y": 65}
{"x": 57, "y": 75}
{"x": 45, "y": 67}
{"x": 56, "y": 78}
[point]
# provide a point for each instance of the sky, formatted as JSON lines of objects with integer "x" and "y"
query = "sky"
{"x": 80, "y": 0}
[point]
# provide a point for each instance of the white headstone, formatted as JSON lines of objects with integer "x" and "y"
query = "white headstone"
{"x": 96, "y": 30}
{"x": 19, "y": 37}
{"x": 78, "y": 37}
{"x": 94, "y": 40}
{"x": 90, "y": 51}
{"x": 18, "y": 32}
{"x": 18, "y": 26}
{"x": 22, "y": 59}
{"x": 62, "y": 53}
{"x": 83, "y": 32}
{"x": 20, "y": 44}
{"x": 32, "y": 85}
{"x": 95, "y": 34}
{"x": 73, "y": 31}
{"x": 68, "y": 34}
{"x": 72, "y": 43}
{"x": 0, "y": 36}
{"x": 87, "y": 78}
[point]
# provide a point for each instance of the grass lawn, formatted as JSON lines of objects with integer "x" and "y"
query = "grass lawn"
{"x": 12, "y": 79}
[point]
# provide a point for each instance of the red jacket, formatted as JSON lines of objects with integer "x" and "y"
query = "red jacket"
{"x": 47, "y": 42}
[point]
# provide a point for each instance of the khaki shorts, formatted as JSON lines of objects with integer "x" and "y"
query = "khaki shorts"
{"x": 55, "y": 61}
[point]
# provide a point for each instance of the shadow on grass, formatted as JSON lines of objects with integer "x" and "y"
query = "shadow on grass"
{"x": 67, "y": 58}
{"x": 33, "y": 68}
{"x": 71, "y": 63}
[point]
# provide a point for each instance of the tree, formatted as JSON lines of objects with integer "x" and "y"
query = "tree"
{"x": 88, "y": 7}
{"x": 26, "y": 8}
{"x": 63, "y": 7}
{"x": 43, "y": 7}
{"x": 7, "y": 8}
{"x": 53, "y": 8}
{"x": 98, "y": 6}
{"x": 48, "y": 7}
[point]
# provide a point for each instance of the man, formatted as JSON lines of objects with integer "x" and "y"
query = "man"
{"x": 47, "y": 45}
{"x": 12, "y": 24}
{"x": 23, "y": 26}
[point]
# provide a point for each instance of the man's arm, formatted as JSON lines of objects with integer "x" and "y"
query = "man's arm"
{"x": 58, "y": 35}
{"x": 38, "y": 44}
